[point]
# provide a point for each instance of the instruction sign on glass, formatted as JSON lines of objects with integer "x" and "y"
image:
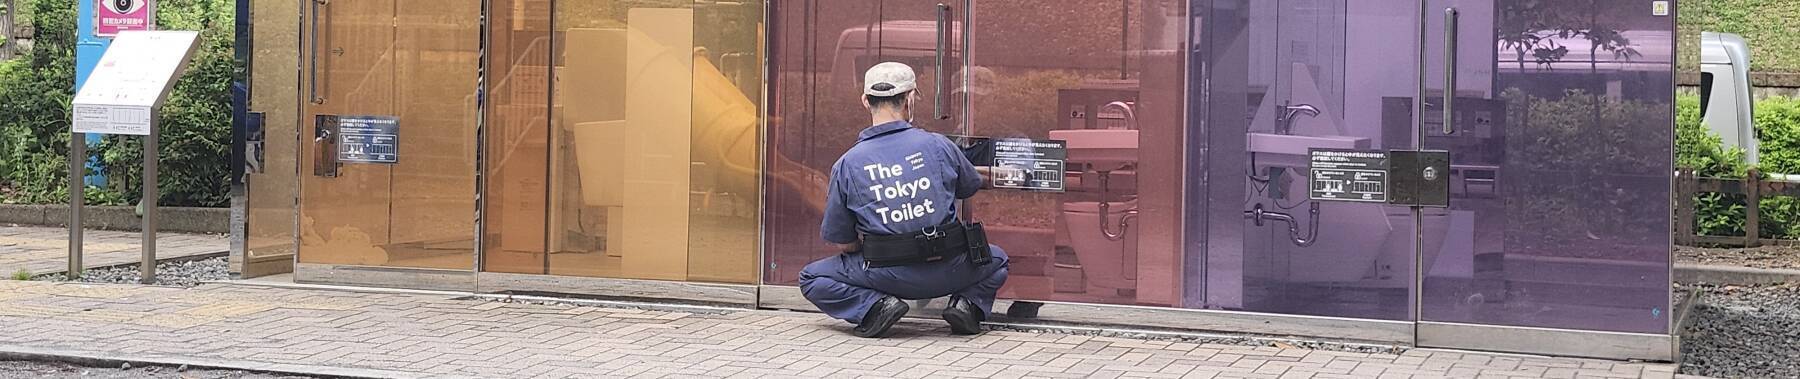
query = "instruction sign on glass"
{"x": 1034, "y": 165}
{"x": 1347, "y": 175}
{"x": 368, "y": 139}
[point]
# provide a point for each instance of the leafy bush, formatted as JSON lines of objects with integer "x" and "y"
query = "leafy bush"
{"x": 195, "y": 120}
{"x": 34, "y": 108}
{"x": 1580, "y": 150}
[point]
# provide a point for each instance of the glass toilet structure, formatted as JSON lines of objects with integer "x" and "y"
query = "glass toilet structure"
{"x": 675, "y": 151}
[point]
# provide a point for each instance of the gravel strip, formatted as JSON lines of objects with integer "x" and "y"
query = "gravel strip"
{"x": 180, "y": 274}
{"x": 1744, "y": 332}
{"x": 17, "y": 369}
{"x": 1787, "y": 257}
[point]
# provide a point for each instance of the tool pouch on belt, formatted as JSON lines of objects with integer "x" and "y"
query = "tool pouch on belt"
{"x": 933, "y": 244}
{"x": 979, "y": 251}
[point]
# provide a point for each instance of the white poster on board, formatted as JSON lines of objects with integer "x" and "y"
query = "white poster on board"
{"x": 132, "y": 79}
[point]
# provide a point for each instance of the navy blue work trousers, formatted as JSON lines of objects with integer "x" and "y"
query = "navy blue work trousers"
{"x": 841, "y": 287}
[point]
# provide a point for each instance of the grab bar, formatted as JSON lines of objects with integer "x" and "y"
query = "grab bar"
{"x": 1450, "y": 19}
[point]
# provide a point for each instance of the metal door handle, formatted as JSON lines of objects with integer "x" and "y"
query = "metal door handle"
{"x": 943, "y": 39}
{"x": 1450, "y": 19}
{"x": 312, "y": 75}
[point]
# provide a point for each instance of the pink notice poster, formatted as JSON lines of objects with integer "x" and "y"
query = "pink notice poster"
{"x": 114, "y": 16}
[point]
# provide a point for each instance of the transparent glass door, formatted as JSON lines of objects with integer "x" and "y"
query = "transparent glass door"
{"x": 1560, "y": 152}
{"x": 387, "y": 151}
{"x": 1303, "y": 75}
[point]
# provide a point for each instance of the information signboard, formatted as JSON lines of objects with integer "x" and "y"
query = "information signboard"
{"x": 132, "y": 79}
{"x": 1026, "y": 164}
{"x": 368, "y": 139}
{"x": 1348, "y": 175}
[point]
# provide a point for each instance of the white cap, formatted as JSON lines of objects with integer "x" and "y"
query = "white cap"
{"x": 888, "y": 79}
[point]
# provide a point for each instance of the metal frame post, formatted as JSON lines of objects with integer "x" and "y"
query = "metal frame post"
{"x": 77, "y": 162}
{"x": 147, "y": 266}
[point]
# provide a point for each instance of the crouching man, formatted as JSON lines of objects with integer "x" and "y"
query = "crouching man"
{"x": 891, "y": 210}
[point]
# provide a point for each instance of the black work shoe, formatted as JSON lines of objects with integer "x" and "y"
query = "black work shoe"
{"x": 964, "y": 317}
{"x": 880, "y": 317}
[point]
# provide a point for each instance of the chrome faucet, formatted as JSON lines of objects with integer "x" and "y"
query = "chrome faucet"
{"x": 1285, "y": 115}
{"x": 1124, "y": 108}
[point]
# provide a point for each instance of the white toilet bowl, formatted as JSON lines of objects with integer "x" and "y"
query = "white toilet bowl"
{"x": 1106, "y": 264}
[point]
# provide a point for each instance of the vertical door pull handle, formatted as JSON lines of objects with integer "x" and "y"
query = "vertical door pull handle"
{"x": 1450, "y": 19}
{"x": 943, "y": 39}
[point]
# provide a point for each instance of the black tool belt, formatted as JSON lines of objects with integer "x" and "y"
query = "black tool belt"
{"x": 933, "y": 244}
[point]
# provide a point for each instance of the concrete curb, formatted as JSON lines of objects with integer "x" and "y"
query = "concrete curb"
{"x": 115, "y": 360}
{"x": 173, "y": 219}
{"x": 1697, "y": 273}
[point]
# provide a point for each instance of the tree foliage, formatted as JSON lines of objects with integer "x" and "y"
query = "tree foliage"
{"x": 195, "y": 121}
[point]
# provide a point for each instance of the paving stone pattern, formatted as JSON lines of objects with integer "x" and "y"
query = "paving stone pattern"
{"x": 443, "y": 336}
{"x": 45, "y": 250}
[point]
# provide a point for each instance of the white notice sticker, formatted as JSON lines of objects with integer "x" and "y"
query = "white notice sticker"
{"x": 1659, "y": 8}
{"x": 112, "y": 119}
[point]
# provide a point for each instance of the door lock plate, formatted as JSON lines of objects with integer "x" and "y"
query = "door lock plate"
{"x": 1420, "y": 177}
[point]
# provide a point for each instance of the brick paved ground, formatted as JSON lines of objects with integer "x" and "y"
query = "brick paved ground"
{"x": 45, "y": 250}
{"x": 429, "y": 335}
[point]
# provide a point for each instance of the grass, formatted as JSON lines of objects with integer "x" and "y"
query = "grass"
{"x": 22, "y": 274}
{"x": 1768, "y": 25}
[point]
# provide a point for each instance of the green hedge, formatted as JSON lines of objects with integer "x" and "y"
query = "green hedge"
{"x": 1768, "y": 25}
{"x": 195, "y": 120}
{"x": 1778, "y": 133}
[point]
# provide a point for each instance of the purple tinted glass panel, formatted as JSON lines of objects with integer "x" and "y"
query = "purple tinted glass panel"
{"x": 1285, "y": 77}
{"x": 1560, "y": 169}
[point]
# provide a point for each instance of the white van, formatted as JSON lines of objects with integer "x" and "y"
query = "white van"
{"x": 1726, "y": 106}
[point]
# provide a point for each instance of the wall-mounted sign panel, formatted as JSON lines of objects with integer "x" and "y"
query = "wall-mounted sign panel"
{"x": 1033, "y": 165}
{"x": 1348, "y": 175}
{"x": 368, "y": 139}
{"x": 1019, "y": 163}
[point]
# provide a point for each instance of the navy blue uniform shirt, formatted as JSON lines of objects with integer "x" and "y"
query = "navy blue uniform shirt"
{"x": 897, "y": 179}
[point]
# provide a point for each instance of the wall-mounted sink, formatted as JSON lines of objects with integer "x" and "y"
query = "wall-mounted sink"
{"x": 1298, "y": 145}
{"x": 1106, "y": 149}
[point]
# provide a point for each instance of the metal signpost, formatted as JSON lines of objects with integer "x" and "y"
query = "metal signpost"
{"x": 121, "y": 97}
